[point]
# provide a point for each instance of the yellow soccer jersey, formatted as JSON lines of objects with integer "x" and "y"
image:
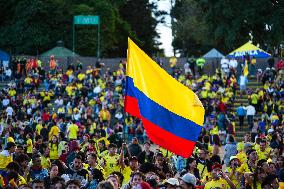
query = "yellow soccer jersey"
{"x": 221, "y": 183}
{"x": 111, "y": 164}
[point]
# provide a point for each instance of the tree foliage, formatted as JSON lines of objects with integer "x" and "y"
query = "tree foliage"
{"x": 138, "y": 13}
{"x": 34, "y": 26}
{"x": 227, "y": 24}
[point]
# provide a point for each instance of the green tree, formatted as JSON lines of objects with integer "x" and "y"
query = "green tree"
{"x": 141, "y": 16}
{"x": 234, "y": 22}
{"x": 32, "y": 26}
{"x": 189, "y": 28}
{"x": 226, "y": 25}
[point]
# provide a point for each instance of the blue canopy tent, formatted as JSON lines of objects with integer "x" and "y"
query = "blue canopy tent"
{"x": 213, "y": 56}
{"x": 4, "y": 58}
{"x": 213, "y": 53}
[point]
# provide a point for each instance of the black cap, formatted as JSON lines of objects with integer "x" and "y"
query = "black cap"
{"x": 133, "y": 158}
{"x": 10, "y": 145}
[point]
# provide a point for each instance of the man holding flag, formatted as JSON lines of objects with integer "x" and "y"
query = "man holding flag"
{"x": 173, "y": 121}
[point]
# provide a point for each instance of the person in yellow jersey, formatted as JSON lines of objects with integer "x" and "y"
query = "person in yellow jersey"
{"x": 6, "y": 156}
{"x": 54, "y": 131}
{"x": 128, "y": 170}
{"x": 29, "y": 145}
{"x": 202, "y": 162}
{"x": 23, "y": 161}
{"x": 241, "y": 145}
{"x": 81, "y": 76}
{"x": 231, "y": 170}
{"x": 241, "y": 155}
{"x": 173, "y": 62}
{"x": 264, "y": 151}
{"x": 112, "y": 161}
{"x": 13, "y": 167}
{"x": 45, "y": 160}
{"x": 39, "y": 127}
{"x": 251, "y": 164}
{"x": 53, "y": 146}
{"x": 214, "y": 130}
{"x": 219, "y": 179}
{"x": 72, "y": 131}
{"x": 105, "y": 116}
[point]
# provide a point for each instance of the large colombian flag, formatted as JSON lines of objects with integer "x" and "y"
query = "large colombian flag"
{"x": 171, "y": 113}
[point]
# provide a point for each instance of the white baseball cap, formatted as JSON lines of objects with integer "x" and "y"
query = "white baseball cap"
{"x": 189, "y": 178}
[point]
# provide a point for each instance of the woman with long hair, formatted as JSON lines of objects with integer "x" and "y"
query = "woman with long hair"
{"x": 53, "y": 146}
{"x": 216, "y": 145}
{"x": 192, "y": 167}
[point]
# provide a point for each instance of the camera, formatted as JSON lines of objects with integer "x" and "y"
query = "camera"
{"x": 235, "y": 164}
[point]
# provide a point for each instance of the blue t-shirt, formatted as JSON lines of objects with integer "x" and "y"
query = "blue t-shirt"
{"x": 241, "y": 111}
{"x": 261, "y": 126}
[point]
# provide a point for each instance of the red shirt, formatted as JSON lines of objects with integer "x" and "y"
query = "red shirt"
{"x": 45, "y": 116}
{"x": 222, "y": 107}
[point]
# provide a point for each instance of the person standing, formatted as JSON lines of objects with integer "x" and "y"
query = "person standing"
{"x": 241, "y": 112}
{"x": 200, "y": 64}
{"x": 146, "y": 155}
{"x": 191, "y": 62}
{"x": 219, "y": 179}
{"x": 243, "y": 82}
{"x": 6, "y": 156}
{"x": 230, "y": 149}
{"x": 52, "y": 64}
{"x": 76, "y": 169}
{"x": 134, "y": 148}
{"x": 173, "y": 64}
{"x": 252, "y": 66}
{"x": 187, "y": 70}
{"x": 250, "y": 114}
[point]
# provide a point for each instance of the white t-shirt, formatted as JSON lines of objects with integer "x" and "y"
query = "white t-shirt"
{"x": 59, "y": 102}
{"x": 225, "y": 65}
{"x": 242, "y": 80}
{"x": 9, "y": 111}
{"x": 233, "y": 63}
{"x": 8, "y": 72}
{"x": 250, "y": 110}
{"x": 224, "y": 61}
{"x": 97, "y": 89}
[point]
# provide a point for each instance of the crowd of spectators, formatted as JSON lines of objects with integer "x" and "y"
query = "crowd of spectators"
{"x": 67, "y": 129}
